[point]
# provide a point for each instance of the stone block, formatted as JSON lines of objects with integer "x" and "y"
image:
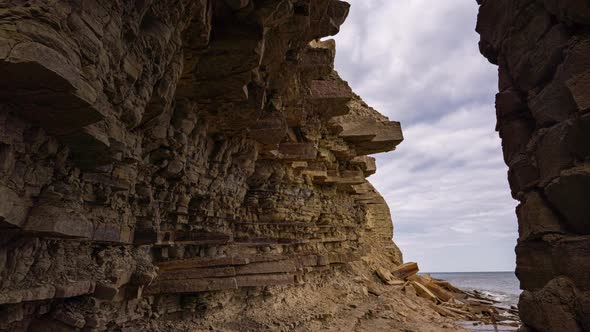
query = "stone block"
{"x": 552, "y": 154}
{"x": 191, "y": 285}
{"x": 105, "y": 291}
{"x": 183, "y": 264}
{"x": 330, "y": 96}
{"x": 571, "y": 256}
{"x": 59, "y": 222}
{"x": 337, "y": 12}
{"x": 569, "y": 195}
{"x": 284, "y": 266}
{"x": 13, "y": 208}
{"x": 29, "y": 294}
{"x": 522, "y": 175}
{"x": 509, "y": 105}
{"x": 62, "y": 99}
{"x": 577, "y": 138}
{"x": 579, "y": 86}
{"x": 534, "y": 264}
{"x": 583, "y": 309}
{"x": 551, "y": 308}
{"x": 515, "y": 136}
{"x": 298, "y": 151}
{"x": 197, "y": 273}
{"x": 535, "y": 217}
{"x": 317, "y": 61}
{"x": 270, "y": 129}
{"x": 366, "y": 163}
{"x": 76, "y": 288}
{"x": 553, "y": 104}
{"x": 258, "y": 280}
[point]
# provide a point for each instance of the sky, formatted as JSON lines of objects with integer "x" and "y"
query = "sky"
{"x": 417, "y": 62}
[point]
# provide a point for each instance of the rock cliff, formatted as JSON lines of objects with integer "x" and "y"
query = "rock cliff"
{"x": 542, "y": 49}
{"x": 160, "y": 159}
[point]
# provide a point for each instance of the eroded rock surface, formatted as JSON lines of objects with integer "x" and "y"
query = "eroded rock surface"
{"x": 542, "y": 49}
{"x": 160, "y": 160}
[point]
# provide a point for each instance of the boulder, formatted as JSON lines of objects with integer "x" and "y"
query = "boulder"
{"x": 406, "y": 270}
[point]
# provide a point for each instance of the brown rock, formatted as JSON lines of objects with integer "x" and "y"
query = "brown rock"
{"x": 570, "y": 10}
{"x": 552, "y": 155}
{"x": 570, "y": 256}
{"x": 406, "y": 270}
{"x": 536, "y": 218}
{"x": 515, "y": 136}
{"x": 541, "y": 57}
{"x": 583, "y": 309}
{"x": 423, "y": 291}
{"x": 578, "y": 86}
{"x": 435, "y": 289}
{"x": 534, "y": 264}
{"x": 13, "y": 209}
{"x": 74, "y": 289}
{"x": 509, "y": 105}
{"x": 60, "y": 222}
{"x": 577, "y": 137}
{"x": 567, "y": 194}
{"x": 384, "y": 275}
{"x": 551, "y": 308}
{"x": 553, "y": 104}
{"x": 152, "y": 151}
{"x": 297, "y": 151}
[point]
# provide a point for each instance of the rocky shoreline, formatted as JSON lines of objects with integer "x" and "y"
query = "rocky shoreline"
{"x": 473, "y": 309}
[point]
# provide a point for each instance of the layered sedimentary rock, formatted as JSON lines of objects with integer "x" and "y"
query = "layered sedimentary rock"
{"x": 542, "y": 49}
{"x": 151, "y": 151}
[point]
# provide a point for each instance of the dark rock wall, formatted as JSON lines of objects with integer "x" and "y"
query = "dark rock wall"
{"x": 542, "y": 49}
{"x": 152, "y": 150}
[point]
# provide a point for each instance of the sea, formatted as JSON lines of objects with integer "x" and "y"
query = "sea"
{"x": 499, "y": 286}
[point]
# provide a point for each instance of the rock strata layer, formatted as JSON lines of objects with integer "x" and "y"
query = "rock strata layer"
{"x": 153, "y": 152}
{"x": 542, "y": 49}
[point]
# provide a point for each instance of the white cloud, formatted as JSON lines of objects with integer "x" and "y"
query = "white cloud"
{"x": 417, "y": 61}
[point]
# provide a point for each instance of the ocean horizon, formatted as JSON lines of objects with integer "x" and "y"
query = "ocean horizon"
{"x": 501, "y": 286}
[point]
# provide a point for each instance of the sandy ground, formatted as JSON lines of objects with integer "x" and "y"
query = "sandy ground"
{"x": 345, "y": 301}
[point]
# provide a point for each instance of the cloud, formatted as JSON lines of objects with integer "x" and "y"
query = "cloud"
{"x": 417, "y": 62}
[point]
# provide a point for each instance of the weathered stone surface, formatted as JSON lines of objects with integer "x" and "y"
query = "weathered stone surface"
{"x": 536, "y": 218}
{"x": 406, "y": 270}
{"x": 570, "y": 257}
{"x": 58, "y": 221}
{"x": 13, "y": 209}
{"x": 552, "y": 308}
{"x": 552, "y": 105}
{"x": 543, "y": 122}
{"x": 534, "y": 264}
{"x": 569, "y": 195}
{"x": 156, "y": 156}
{"x": 570, "y": 10}
{"x": 578, "y": 87}
{"x": 515, "y": 137}
{"x": 583, "y": 309}
{"x": 551, "y": 153}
